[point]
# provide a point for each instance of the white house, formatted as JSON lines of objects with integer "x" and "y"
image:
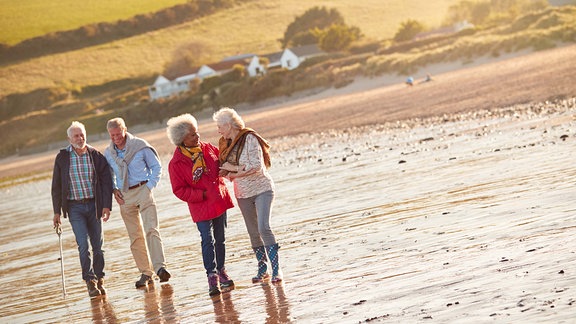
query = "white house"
{"x": 255, "y": 67}
{"x": 304, "y": 52}
{"x": 164, "y": 88}
{"x": 291, "y": 58}
{"x": 205, "y": 71}
{"x": 287, "y": 59}
{"x": 161, "y": 88}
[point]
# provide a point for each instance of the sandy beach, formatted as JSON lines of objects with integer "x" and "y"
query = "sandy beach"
{"x": 447, "y": 202}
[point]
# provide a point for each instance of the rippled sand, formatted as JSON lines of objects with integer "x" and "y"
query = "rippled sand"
{"x": 461, "y": 218}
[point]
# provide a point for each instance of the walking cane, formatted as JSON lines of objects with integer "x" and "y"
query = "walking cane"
{"x": 59, "y": 232}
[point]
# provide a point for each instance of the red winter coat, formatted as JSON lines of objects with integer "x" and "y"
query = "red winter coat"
{"x": 217, "y": 198}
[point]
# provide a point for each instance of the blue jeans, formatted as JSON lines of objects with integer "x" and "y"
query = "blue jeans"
{"x": 213, "y": 243}
{"x": 88, "y": 227}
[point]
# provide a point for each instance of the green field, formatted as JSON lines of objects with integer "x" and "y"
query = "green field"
{"x": 20, "y": 20}
{"x": 253, "y": 27}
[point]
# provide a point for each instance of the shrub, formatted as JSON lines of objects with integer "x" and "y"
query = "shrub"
{"x": 408, "y": 30}
{"x": 210, "y": 83}
{"x": 316, "y": 17}
{"x": 237, "y": 73}
{"x": 338, "y": 37}
{"x": 232, "y": 93}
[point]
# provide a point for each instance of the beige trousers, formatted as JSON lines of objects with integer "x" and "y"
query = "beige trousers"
{"x": 141, "y": 220}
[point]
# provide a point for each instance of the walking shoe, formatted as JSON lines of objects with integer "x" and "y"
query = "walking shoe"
{"x": 101, "y": 286}
{"x": 163, "y": 274}
{"x": 92, "y": 289}
{"x": 225, "y": 281}
{"x": 213, "y": 285}
{"x": 144, "y": 281}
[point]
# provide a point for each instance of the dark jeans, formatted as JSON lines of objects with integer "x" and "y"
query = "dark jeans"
{"x": 88, "y": 227}
{"x": 213, "y": 243}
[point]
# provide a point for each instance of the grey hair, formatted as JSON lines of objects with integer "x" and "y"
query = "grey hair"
{"x": 228, "y": 116}
{"x": 75, "y": 125}
{"x": 179, "y": 127}
{"x": 117, "y": 122}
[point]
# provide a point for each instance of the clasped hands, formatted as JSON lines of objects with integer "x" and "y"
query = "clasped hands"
{"x": 230, "y": 170}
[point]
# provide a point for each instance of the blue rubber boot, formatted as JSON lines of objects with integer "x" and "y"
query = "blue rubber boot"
{"x": 274, "y": 261}
{"x": 262, "y": 265}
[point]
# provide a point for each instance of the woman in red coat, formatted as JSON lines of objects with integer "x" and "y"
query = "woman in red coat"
{"x": 194, "y": 176}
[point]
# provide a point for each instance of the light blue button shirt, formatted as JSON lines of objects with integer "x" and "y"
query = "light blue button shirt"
{"x": 144, "y": 166}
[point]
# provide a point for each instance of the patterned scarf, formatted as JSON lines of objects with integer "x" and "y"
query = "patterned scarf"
{"x": 195, "y": 154}
{"x": 230, "y": 150}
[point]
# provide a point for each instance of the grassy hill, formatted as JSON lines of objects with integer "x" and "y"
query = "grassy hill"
{"x": 253, "y": 27}
{"x": 21, "y": 20}
{"x": 42, "y": 95}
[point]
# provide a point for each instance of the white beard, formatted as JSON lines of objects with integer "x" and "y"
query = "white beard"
{"x": 79, "y": 147}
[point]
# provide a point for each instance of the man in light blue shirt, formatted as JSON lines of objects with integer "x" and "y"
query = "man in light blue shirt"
{"x": 136, "y": 170}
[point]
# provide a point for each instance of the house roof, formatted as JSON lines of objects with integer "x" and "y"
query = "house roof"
{"x": 273, "y": 57}
{"x": 238, "y": 57}
{"x": 223, "y": 66}
{"x": 161, "y": 80}
{"x": 187, "y": 70}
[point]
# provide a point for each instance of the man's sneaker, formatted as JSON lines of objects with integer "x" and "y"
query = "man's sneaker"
{"x": 163, "y": 274}
{"x": 144, "y": 281}
{"x": 225, "y": 281}
{"x": 213, "y": 285}
{"x": 92, "y": 289}
{"x": 101, "y": 286}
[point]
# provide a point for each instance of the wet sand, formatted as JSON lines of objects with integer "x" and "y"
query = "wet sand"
{"x": 461, "y": 217}
{"x": 466, "y": 220}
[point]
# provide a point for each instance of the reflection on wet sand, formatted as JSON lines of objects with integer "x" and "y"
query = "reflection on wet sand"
{"x": 159, "y": 304}
{"x": 277, "y": 306}
{"x": 473, "y": 222}
{"x": 103, "y": 311}
{"x": 224, "y": 311}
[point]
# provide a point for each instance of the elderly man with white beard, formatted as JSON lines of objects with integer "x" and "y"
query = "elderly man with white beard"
{"x": 82, "y": 191}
